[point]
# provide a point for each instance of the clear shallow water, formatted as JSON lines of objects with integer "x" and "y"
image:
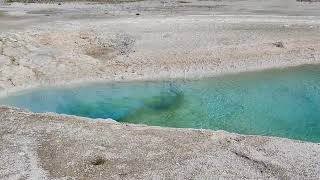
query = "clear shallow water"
{"x": 284, "y": 103}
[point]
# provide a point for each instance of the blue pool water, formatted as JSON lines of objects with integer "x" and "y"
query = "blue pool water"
{"x": 284, "y": 103}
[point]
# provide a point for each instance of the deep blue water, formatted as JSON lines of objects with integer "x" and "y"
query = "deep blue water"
{"x": 284, "y": 103}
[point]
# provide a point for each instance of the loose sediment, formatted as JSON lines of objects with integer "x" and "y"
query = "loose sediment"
{"x": 51, "y": 44}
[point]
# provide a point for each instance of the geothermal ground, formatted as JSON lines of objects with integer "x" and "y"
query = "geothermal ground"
{"x": 66, "y": 43}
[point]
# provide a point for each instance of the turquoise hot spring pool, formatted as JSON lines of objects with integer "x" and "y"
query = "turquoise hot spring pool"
{"x": 281, "y": 102}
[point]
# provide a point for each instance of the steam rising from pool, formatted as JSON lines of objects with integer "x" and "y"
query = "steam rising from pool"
{"x": 284, "y": 103}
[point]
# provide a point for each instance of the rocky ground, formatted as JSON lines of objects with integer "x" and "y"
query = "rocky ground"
{"x": 50, "y": 146}
{"x": 74, "y": 42}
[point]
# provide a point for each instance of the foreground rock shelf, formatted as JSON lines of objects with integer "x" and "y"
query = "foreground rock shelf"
{"x": 49, "y": 146}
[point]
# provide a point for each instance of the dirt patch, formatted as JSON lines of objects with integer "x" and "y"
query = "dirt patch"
{"x": 99, "y": 52}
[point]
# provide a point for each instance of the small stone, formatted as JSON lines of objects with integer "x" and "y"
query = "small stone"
{"x": 278, "y": 44}
{"x": 84, "y": 35}
{"x": 98, "y": 161}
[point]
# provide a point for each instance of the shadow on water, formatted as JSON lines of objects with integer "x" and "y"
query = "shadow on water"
{"x": 166, "y": 103}
{"x": 170, "y": 100}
